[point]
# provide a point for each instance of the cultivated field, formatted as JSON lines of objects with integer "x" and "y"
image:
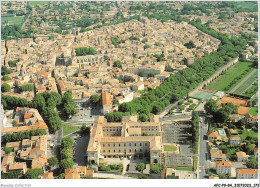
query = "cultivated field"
{"x": 246, "y": 84}
{"x": 230, "y": 78}
{"x": 18, "y": 20}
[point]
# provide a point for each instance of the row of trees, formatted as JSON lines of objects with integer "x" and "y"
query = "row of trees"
{"x": 13, "y": 137}
{"x": 66, "y": 153}
{"x": 195, "y": 131}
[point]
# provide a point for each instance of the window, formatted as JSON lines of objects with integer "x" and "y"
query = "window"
{"x": 119, "y": 151}
{"x": 135, "y": 150}
{"x": 104, "y": 151}
{"x": 103, "y": 145}
{"x": 118, "y": 144}
{"x": 145, "y": 144}
{"x": 114, "y": 150}
{"x": 108, "y": 151}
{"x": 140, "y": 144}
{"x": 109, "y": 145}
{"x": 130, "y": 150}
{"x": 125, "y": 145}
{"x": 135, "y": 144}
{"x": 114, "y": 145}
{"x": 130, "y": 144}
{"x": 140, "y": 150}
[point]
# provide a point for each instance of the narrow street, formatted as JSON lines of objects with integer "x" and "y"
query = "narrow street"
{"x": 203, "y": 151}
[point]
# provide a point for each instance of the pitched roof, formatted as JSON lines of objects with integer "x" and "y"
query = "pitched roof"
{"x": 225, "y": 163}
{"x": 241, "y": 154}
{"x": 71, "y": 174}
{"x": 247, "y": 171}
{"x": 213, "y": 134}
{"x": 17, "y": 166}
{"x": 214, "y": 153}
{"x": 106, "y": 100}
{"x": 48, "y": 175}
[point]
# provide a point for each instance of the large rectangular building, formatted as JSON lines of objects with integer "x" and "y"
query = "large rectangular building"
{"x": 128, "y": 139}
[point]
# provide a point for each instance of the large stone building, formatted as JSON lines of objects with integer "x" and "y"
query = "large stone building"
{"x": 129, "y": 138}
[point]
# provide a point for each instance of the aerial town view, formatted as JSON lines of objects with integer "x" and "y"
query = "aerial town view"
{"x": 129, "y": 90}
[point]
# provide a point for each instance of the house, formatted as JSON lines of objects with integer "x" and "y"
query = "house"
{"x": 247, "y": 173}
{"x": 234, "y": 140}
{"x": 223, "y": 167}
{"x": 214, "y": 136}
{"x": 48, "y": 175}
{"x": 138, "y": 86}
{"x": 251, "y": 119}
{"x": 216, "y": 154}
{"x": 78, "y": 172}
{"x": 18, "y": 166}
{"x": 106, "y": 102}
{"x": 241, "y": 156}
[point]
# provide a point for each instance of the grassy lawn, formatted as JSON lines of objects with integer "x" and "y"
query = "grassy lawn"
{"x": 247, "y": 83}
{"x": 38, "y": 2}
{"x": 246, "y": 133}
{"x": 195, "y": 163}
{"x": 183, "y": 168}
{"x": 170, "y": 148}
{"x": 14, "y": 20}
{"x": 253, "y": 111}
{"x": 67, "y": 129}
{"x": 236, "y": 71}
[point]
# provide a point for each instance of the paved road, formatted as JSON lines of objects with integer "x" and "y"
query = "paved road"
{"x": 176, "y": 117}
{"x": 25, "y": 21}
{"x": 243, "y": 81}
{"x": 203, "y": 151}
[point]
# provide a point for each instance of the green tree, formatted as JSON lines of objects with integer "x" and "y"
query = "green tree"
{"x": 13, "y": 63}
{"x": 211, "y": 106}
{"x": 155, "y": 168}
{"x": 5, "y": 87}
{"x": 6, "y": 78}
{"x": 27, "y": 87}
{"x": 252, "y": 163}
{"x": 222, "y": 176}
{"x": 67, "y": 153}
{"x": 118, "y": 64}
{"x": 53, "y": 161}
{"x": 8, "y": 150}
{"x": 94, "y": 99}
{"x": 146, "y": 46}
{"x": 67, "y": 143}
{"x": 143, "y": 117}
{"x": 140, "y": 167}
{"x": 5, "y": 70}
{"x": 84, "y": 130}
{"x": 61, "y": 176}
{"x": 33, "y": 173}
{"x": 66, "y": 163}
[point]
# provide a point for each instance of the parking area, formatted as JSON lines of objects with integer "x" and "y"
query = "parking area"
{"x": 80, "y": 148}
{"x": 179, "y": 133}
{"x": 86, "y": 114}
